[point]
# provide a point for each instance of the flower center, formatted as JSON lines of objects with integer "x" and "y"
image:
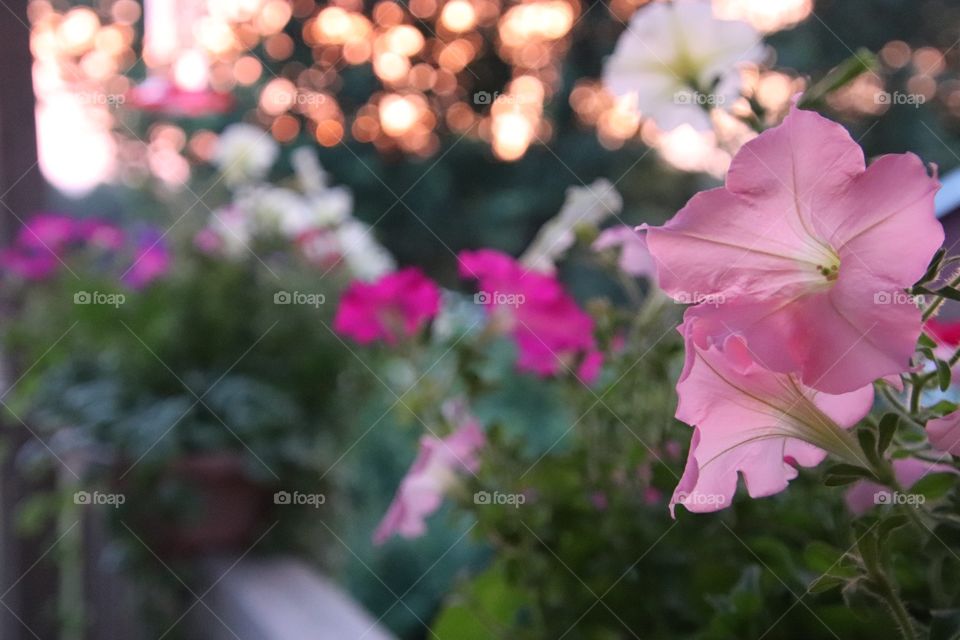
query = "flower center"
{"x": 827, "y": 263}
{"x": 830, "y": 273}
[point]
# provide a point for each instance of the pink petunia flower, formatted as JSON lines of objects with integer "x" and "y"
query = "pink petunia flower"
{"x": 753, "y": 422}
{"x": 807, "y": 252}
{"x": 392, "y": 308}
{"x": 635, "y": 258}
{"x": 864, "y": 495}
{"x": 552, "y": 333}
{"x": 433, "y": 473}
{"x": 944, "y": 433}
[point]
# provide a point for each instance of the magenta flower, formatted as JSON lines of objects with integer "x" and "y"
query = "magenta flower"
{"x": 160, "y": 95}
{"x": 806, "y": 253}
{"x": 49, "y": 231}
{"x": 39, "y": 246}
{"x": 946, "y": 333}
{"x": 30, "y": 265}
{"x": 433, "y": 473}
{"x": 151, "y": 261}
{"x": 753, "y": 422}
{"x": 552, "y": 333}
{"x": 634, "y": 258}
{"x": 43, "y": 242}
{"x": 100, "y": 234}
{"x": 394, "y": 307}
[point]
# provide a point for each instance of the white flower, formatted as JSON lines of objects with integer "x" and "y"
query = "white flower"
{"x": 365, "y": 257}
{"x": 272, "y": 209}
{"x": 231, "y": 226}
{"x": 677, "y": 61}
{"x": 584, "y": 207}
{"x": 326, "y": 208}
{"x": 245, "y": 153}
{"x": 310, "y": 173}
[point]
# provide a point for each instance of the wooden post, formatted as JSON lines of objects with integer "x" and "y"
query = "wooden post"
{"x": 21, "y": 185}
{"x": 30, "y": 588}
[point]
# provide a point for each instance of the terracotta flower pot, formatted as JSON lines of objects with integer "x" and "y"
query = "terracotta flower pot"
{"x": 225, "y": 512}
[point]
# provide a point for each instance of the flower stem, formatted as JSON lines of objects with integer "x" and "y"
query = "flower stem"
{"x": 896, "y": 405}
{"x": 932, "y": 309}
{"x": 897, "y": 610}
{"x": 916, "y": 390}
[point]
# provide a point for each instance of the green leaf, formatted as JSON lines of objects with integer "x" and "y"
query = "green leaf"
{"x": 933, "y": 270}
{"x": 926, "y": 341}
{"x": 826, "y": 583}
{"x": 839, "y": 481}
{"x": 943, "y": 407}
{"x": 821, "y": 557}
{"x": 868, "y": 442}
{"x": 841, "y": 474}
{"x": 844, "y": 73}
{"x": 887, "y": 526}
{"x": 949, "y": 293}
{"x": 488, "y": 597}
{"x": 943, "y": 375}
{"x": 887, "y": 429}
{"x": 934, "y": 485}
{"x": 869, "y": 549}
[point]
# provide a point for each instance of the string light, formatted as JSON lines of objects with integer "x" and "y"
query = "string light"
{"x": 423, "y": 53}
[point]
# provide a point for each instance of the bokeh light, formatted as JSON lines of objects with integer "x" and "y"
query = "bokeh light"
{"x": 428, "y": 57}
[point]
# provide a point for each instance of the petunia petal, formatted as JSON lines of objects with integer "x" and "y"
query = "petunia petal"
{"x": 888, "y": 211}
{"x": 752, "y": 422}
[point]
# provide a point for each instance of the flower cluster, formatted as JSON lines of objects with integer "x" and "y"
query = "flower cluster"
{"x": 520, "y": 300}
{"x": 46, "y": 242}
{"x": 315, "y": 217}
{"x": 552, "y": 333}
{"x": 809, "y": 252}
{"x": 394, "y": 307}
